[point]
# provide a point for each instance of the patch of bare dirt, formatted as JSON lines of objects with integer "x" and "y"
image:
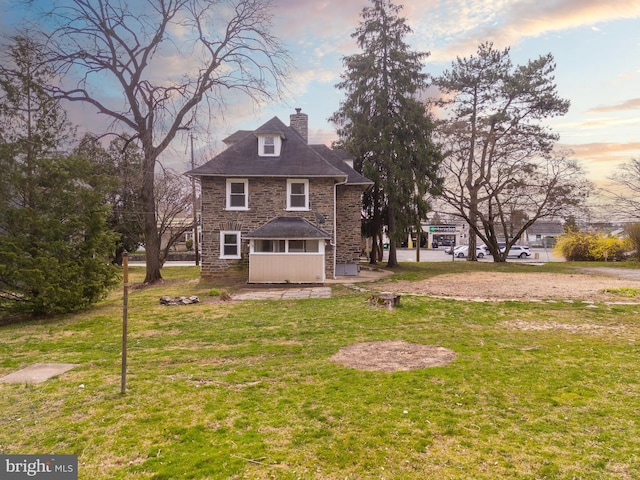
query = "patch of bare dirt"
{"x": 515, "y": 286}
{"x": 393, "y": 356}
{"x": 569, "y": 327}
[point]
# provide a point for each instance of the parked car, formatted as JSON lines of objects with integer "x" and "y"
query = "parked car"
{"x": 517, "y": 251}
{"x": 501, "y": 247}
{"x": 450, "y": 250}
{"x": 464, "y": 251}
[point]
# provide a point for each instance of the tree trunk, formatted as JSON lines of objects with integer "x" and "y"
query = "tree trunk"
{"x": 473, "y": 242}
{"x": 150, "y": 227}
{"x": 373, "y": 254}
{"x": 117, "y": 258}
{"x": 393, "y": 257}
{"x": 473, "y": 219}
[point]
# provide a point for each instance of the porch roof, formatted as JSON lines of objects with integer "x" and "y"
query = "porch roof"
{"x": 289, "y": 227}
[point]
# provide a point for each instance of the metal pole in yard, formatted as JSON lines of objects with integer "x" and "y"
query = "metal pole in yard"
{"x": 196, "y": 246}
{"x": 125, "y": 308}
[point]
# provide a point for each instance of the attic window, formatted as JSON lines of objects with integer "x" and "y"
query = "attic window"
{"x": 269, "y": 145}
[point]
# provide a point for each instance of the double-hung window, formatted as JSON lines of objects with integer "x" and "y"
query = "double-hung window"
{"x": 230, "y": 245}
{"x": 269, "y": 145}
{"x": 237, "y": 194}
{"x": 297, "y": 194}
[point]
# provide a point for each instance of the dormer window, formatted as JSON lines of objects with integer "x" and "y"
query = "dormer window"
{"x": 269, "y": 145}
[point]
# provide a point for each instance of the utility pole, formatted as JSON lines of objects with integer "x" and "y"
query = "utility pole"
{"x": 194, "y": 209}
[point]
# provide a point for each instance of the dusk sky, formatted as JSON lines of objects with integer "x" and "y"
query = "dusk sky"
{"x": 595, "y": 43}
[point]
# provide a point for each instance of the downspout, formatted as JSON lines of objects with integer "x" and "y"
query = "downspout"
{"x": 335, "y": 223}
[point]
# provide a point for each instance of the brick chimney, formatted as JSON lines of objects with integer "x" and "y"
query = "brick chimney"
{"x": 300, "y": 123}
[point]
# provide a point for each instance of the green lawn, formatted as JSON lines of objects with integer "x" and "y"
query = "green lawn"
{"x": 248, "y": 390}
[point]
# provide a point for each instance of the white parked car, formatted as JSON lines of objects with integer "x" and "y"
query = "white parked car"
{"x": 463, "y": 251}
{"x": 450, "y": 250}
{"x": 517, "y": 251}
{"x": 501, "y": 246}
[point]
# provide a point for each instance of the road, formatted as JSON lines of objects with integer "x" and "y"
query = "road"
{"x": 426, "y": 255}
{"x": 438, "y": 255}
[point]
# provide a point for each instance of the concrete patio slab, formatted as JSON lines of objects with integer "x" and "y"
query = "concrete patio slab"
{"x": 292, "y": 292}
{"x": 37, "y": 373}
{"x": 283, "y": 293}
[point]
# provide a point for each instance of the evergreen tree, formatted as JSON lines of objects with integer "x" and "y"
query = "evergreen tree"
{"x": 121, "y": 164}
{"x": 383, "y": 123}
{"x": 53, "y": 237}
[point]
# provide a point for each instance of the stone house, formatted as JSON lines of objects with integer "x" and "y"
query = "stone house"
{"x": 287, "y": 210}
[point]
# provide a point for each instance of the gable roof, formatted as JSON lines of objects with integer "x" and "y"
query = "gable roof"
{"x": 274, "y": 127}
{"x": 337, "y": 159}
{"x": 288, "y": 227}
{"x": 235, "y": 137}
{"x": 296, "y": 159}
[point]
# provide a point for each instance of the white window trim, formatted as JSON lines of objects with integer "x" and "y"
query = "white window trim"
{"x": 277, "y": 144}
{"x": 246, "y": 193}
{"x": 239, "y": 243}
{"x": 321, "y": 247}
{"x": 290, "y": 181}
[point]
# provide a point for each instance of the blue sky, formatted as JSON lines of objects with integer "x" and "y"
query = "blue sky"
{"x": 596, "y": 45}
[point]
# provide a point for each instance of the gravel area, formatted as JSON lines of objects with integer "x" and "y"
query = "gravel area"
{"x": 586, "y": 285}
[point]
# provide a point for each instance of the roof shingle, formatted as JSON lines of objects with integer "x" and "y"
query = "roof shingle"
{"x": 288, "y": 227}
{"x": 296, "y": 159}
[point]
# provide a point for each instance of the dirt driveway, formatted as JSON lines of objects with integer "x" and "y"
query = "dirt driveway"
{"x": 586, "y": 284}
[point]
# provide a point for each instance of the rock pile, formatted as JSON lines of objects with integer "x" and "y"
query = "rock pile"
{"x": 166, "y": 300}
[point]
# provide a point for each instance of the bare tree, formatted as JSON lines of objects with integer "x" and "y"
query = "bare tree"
{"x": 624, "y": 199}
{"x": 173, "y": 209}
{"x": 501, "y": 173}
{"x": 149, "y": 64}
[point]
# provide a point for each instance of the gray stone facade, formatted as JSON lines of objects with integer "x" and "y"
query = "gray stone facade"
{"x": 348, "y": 227}
{"x": 267, "y": 200}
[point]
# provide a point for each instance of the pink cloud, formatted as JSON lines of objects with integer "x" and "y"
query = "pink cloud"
{"x": 604, "y": 152}
{"x": 320, "y": 18}
{"x": 507, "y": 24}
{"x": 631, "y": 104}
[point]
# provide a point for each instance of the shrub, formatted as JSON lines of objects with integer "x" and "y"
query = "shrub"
{"x": 575, "y": 246}
{"x": 633, "y": 235}
{"x": 581, "y": 246}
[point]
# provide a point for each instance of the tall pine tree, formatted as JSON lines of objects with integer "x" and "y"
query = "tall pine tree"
{"x": 383, "y": 123}
{"x": 53, "y": 235}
